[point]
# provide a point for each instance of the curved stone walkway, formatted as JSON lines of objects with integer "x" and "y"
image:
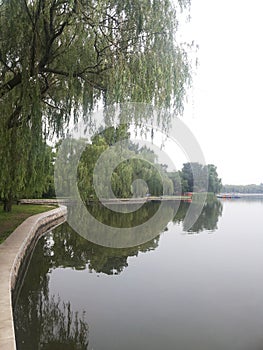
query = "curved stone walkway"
{"x": 12, "y": 253}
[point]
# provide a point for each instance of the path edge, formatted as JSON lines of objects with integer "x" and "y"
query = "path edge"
{"x": 13, "y": 252}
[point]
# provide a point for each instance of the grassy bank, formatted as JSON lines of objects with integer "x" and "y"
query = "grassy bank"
{"x": 9, "y": 221}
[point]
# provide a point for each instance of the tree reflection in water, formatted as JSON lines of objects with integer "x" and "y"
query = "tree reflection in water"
{"x": 43, "y": 321}
{"x": 208, "y": 219}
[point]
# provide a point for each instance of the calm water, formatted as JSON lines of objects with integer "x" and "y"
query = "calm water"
{"x": 181, "y": 290}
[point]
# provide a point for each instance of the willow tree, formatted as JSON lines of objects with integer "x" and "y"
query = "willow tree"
{"x": 60, "y": 57}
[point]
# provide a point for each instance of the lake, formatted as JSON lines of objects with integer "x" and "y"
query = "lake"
{"x": 184, "y": 290}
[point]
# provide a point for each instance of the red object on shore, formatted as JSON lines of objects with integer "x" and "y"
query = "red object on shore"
{"x": 188, "y": 200}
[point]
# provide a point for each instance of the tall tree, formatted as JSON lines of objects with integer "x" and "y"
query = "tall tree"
{"x": 62, "y": 56}
{"x": 126, "y": 178}
{"x": 214, "y": 182}
{"x": 202, "y": 173}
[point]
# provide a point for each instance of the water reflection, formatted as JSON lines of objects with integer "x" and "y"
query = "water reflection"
{"x": 64, "y": 248}
{"x": 148, "y": 221}
{"x": 118, "y": 218}
{"x": 208, "y": 219}
{"x": 121, "y": 230}
{"x": 71, "y": 250}
{"x": 42, "y": 321}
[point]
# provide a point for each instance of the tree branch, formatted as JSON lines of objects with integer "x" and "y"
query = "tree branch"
{"x": 13, "y": 119}
{"x": 5, "y": 64}
{"x": 28, "y": 12}
{"x": 75, "y": 75}
{"x": 16, "y": 80}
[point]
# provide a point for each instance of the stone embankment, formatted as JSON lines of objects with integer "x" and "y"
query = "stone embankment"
{"x": 13, "y": 252}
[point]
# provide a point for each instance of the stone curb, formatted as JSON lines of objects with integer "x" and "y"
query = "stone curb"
{"x": 13, "y": 251}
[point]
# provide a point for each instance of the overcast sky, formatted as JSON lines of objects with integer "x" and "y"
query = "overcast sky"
{"x": 225, "y": 111}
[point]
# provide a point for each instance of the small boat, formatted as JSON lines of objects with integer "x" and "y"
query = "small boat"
{"x": 228, "y": 195}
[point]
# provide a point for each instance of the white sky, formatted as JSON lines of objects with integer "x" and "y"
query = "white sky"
{"x": 225, "y": 111}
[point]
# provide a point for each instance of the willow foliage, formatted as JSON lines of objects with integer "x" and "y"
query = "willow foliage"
{"x": 59, "y": 57}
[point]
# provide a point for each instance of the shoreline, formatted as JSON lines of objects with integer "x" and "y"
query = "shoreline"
{"x": 110, "y": 200}
{"x": 13, "y": 252}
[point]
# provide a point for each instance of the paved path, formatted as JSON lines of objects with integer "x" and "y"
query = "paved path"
{"x": 12, "y": 253}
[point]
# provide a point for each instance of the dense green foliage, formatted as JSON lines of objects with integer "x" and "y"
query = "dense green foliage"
{"x": 136, "y": 174}
{"x": 214, "y": 182}
{"x": 126, "y": 177}
{"x": 201, "y": 172}
{"x": 243, "y": 188}
{"x": 59, "y": 58}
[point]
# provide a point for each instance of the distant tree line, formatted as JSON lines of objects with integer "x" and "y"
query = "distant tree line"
{"x": 126, "y": 177}
{"x": 137, "y": 172}
{"x": 206, "y": 178}
{"x": 243, "y": 188}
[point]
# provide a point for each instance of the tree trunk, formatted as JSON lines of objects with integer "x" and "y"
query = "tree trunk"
{"x": 7, "y": 204}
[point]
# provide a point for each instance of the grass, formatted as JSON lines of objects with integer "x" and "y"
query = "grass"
{"x": 9, "y": 221}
